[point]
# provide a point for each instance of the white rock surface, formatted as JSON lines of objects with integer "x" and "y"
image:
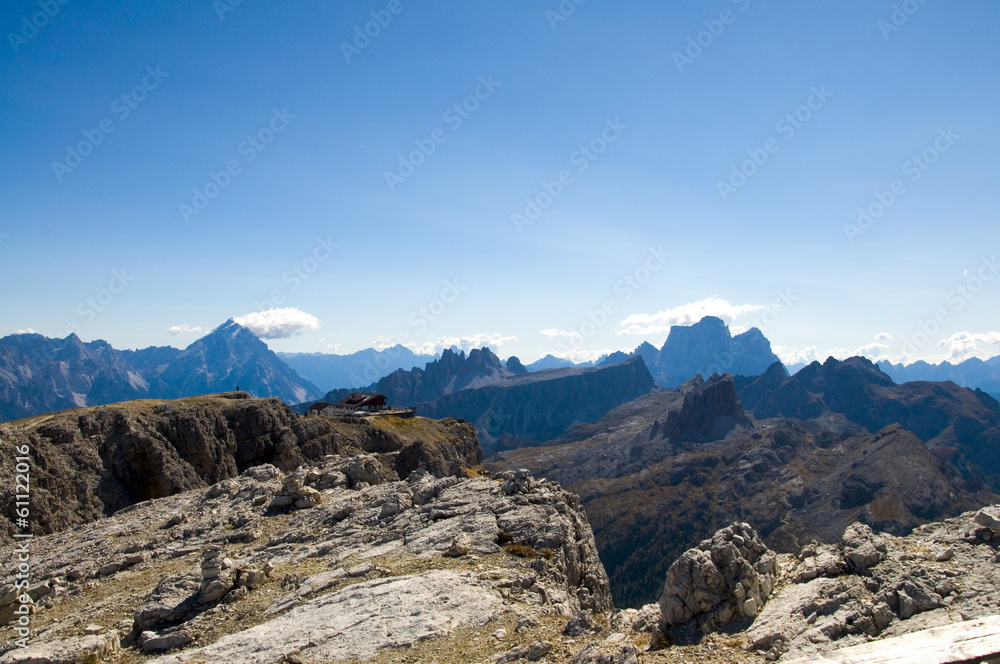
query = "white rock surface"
{"x": 361, "y": 619}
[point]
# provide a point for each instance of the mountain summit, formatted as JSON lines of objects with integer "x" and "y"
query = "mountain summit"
{"x": 39, "y": 375}
{"x": 705, "y": 348}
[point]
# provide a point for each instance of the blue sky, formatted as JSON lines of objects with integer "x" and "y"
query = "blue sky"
{"x": 581, "y": 197}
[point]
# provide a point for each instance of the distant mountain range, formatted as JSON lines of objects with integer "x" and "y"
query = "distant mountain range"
{"x": 973, "y": 373}
{"x": 39, "y": 375}
{"x": 331, "y": 371}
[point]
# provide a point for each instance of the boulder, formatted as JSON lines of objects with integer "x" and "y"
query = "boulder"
{"x": 726, "y": 578}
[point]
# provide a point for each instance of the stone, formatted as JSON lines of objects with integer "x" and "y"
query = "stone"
{"x": 601, "y": 653}
{"x": 990, "y": 518}
{"x": 213, "y": 591}
{"x": 166, "y": 642}
{"x": 512, "y": 655}
{"x": 581, "y": 624}
{"x": 93, "y": 629}
{"x": 727, "y": 577}
{"x": 460, "y": 546}
{"x": 538, "y": 649}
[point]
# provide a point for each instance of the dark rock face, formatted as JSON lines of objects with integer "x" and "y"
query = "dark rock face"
{"x": 511, "y": 408}
{"x": 39, "y": 375}
{"x": 542, "y": 405}
{"x": 92, "y": 462}
{"x": 515, "y": 367}
{"x": 453, "y": 372}
{"x": 960, "y": 425}
{"x": 651, "y": 490}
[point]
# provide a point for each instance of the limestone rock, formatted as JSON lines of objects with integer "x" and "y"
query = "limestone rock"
{"x": 358, "y": 621}
{"x": 90, "y": 648}
{"x": 726, "y": 578}
{"x": 602, "y": 653}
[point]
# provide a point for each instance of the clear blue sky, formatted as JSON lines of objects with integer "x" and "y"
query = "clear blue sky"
{"x": 182, "y": 87}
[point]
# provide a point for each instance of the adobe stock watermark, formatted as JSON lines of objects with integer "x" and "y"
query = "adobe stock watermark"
{"x": 88, "y": 309}
{"x": 914, "y": 169}
{"x": 363, "y": 35}
{"x": 454, "y": 116}
{"x": 121, "y": 107}
{"x": 20, "y": 620}
{"x": 580, "y": 160}
{"x": 627, "y": 287}
{"x": 714, "y": 28}
{"x": 958, "y": 297}
{"x": 785, "y": 128}
{"x": 31, "y": 24}
{"x": 300, "y": 272}
{"x": 562, "y": 13}
{"x": 419, "y": 321}
{"x": 223, "y": 7}
{"x": 249, "y": 148}
{"x": 899, "y": 17}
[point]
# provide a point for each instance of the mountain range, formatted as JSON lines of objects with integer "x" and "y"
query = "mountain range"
{"x": 39, "y": 375}
{"x": 974, "y": 373}
{"x": 331, "y": 371}
{"x": 798, "y": 458}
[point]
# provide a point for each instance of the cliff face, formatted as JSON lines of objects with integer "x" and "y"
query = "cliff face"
{"x": 542, "y": 405}
{"x": 90, "y": 462}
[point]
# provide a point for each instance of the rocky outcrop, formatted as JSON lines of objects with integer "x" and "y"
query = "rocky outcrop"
{"x": 726, "y": 578}
{"x": 879, "y": 586}
{"x": 225, "y": 574}
{"x": 91, "y": 462}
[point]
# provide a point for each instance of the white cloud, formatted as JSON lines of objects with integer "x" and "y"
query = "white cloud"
{"x": 790, "y": 356}
{"x": 685, "y": 314}
{"x": 26, "y": 331}
{"x": 580, "y": 355}
{"x": 492, "y": 340}
{"x": 278, "y": 323}
{"x": 184, "y": 328}
{"x": 883, "y": 336}
{"x": 550, "y": 333}
{"x": 964, "y": 345}
{"x": 874, "y": 352}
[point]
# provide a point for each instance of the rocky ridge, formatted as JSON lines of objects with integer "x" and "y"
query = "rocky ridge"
{"x": 92, "y": 462}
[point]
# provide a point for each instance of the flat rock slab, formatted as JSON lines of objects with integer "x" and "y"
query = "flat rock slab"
{"x": 972, "y": 640}
{"x": 357, "y": 621}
